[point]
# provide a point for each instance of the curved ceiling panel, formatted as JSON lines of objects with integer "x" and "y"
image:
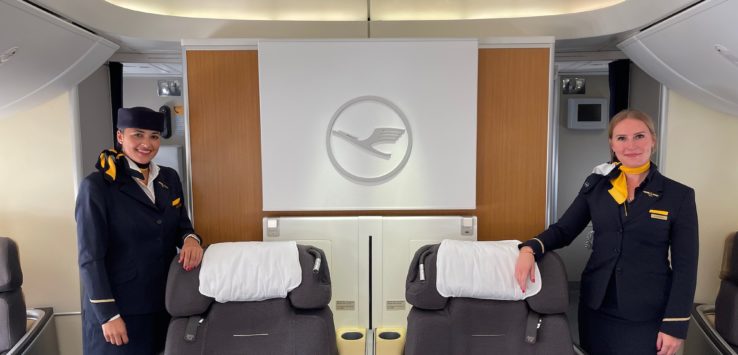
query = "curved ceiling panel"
{"x": 394, "y": 10}
{"x": 358, "y": 10}
{"x": 694, "y": 53}
{"x": 43, "y": 56}
{"x": 280, "y": 10}
{"x": 131, "y": 28}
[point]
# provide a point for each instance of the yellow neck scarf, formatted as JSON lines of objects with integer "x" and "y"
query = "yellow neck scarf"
{"x": 107, "y": 163}
{"x": 619, "y": 190}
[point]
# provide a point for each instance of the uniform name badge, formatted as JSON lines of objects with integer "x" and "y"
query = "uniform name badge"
{"x": 659, "y": 214}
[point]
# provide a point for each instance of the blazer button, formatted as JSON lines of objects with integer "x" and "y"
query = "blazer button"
{"x": 617, "y": 251}
{"x": 619, "y": 269}
{"x": 158, "y": 221}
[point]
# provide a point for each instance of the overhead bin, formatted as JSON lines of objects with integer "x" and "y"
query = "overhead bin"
{"x": 42, "y": 55}
{"x": 694, "y": 53}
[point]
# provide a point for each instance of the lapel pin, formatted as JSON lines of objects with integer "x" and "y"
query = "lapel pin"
{"x": 650, "y": 194}
{"x": 163, "y": 185}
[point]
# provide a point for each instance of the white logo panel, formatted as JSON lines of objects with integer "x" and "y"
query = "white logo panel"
{"x": 368, "y": 124}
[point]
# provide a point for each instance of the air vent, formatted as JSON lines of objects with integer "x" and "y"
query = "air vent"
{"x": 727, "y": 54}
{"x": 5, "y": 57}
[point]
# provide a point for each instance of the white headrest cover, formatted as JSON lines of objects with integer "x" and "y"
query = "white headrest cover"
{"x": 250, "y": 271}
{"x": 483, "y": 270}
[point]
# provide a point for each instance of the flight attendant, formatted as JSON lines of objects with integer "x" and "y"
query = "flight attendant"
{"x": 635, "y": 298}
{"x": 131, "y": 219}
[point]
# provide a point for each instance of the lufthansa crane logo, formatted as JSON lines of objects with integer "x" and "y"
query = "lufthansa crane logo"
{"x": 369, "y": 140}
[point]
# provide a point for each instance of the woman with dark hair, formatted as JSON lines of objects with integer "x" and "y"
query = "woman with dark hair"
{"x": 131, "y": 219}
{"x": 638, "y": 286}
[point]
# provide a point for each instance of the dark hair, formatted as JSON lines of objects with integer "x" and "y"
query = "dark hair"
{"x": 636, "y": 115}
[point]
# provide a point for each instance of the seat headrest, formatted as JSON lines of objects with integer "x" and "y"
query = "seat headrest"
{"x": 729, "y": 270}
{"x": 183, "y": 298}
{"x": 314, "y": 291}
{"x": 422, "y": 292}
{"x": 11, "y": 276}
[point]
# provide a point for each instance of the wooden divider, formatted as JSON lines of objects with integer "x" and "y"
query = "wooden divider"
{"x": 225, "y": 144}
{"x": 223, "y": 94}
{"x": 512, "y": 126}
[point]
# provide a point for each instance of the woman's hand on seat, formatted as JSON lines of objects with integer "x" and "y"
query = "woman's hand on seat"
{"x": 525, "y": 267}
{"x": 191, "y": 254}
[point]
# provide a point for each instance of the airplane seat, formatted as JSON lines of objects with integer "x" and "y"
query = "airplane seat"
{"x": 12, "y": 304}
{"x": 726, "y": 303}
{"x": 301, "y": 323}
{"x": 440, "y": 325}
{"x": 713, "y": 328}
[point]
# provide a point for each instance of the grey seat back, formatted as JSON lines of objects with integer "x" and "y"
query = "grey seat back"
{"x": 302, "y": 323}
{"x": 12, "y": 304}
{"x": 439, "y": 325}
{"x": 726, "y": 303}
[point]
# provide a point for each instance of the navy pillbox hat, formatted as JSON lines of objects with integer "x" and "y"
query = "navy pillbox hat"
{"x": 140, "y": 117}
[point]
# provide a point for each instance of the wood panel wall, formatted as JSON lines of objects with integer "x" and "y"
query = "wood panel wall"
{"x": 512, "y": 131}
{"x": 223, "y": 97}
{"x": 225, "y": 144}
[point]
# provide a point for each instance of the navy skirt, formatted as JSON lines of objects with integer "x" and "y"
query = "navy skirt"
{"x": 602, "y": 333}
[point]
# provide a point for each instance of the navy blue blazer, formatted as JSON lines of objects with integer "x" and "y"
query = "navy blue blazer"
{"x": 126, "y": 242}
{"x": 631, "y": 243}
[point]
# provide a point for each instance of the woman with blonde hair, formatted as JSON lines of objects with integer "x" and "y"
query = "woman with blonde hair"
{"x": 638, "y": 286}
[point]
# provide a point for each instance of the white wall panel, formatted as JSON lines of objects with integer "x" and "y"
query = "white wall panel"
{"x": 700, "y": 153}
{"x": 427, "y": 89}
{"x": 357, "y": 247}
{"x": 392, "y": 253}
{"x": 347, "y": 252}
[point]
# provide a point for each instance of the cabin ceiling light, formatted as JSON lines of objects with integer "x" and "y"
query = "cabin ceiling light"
{"x": 274, "y": 10}
{"x": 404, "y": 10}
{"x": 572, "y": 86}
{"x": 360, "y": 10}
{"x": 168, "y": 88}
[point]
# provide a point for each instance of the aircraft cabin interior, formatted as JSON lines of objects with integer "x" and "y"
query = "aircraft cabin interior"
{"x": 374, "y": 177}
